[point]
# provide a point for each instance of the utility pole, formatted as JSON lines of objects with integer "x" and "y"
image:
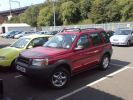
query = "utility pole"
{"x": 10, "y": 8}
{"x": 54, "y": 13}
{"x": 10, "y": 16}
{"x": 18, "y": 2}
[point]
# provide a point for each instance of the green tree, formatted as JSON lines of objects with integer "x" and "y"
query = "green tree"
{"x": 85, "y": 6}
{"x": 45, "y": 17}
{"x": 127, "y": 10}
{"x": 69, "y": 12}
{"x": 14, "y": 19}
{"x": 30, "y": 15}
{"x": 113, "y": 11}
{"x": 98, "y": 11}
{"x": 23, "y": 18}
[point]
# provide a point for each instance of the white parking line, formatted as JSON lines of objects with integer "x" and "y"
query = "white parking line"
{"x": 95, "y": 82}
{"x": 18, "y": 76}
{"x": 130, "y": 67}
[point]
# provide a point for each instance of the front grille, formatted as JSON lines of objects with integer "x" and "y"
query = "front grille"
{"x": 23, "y": 60}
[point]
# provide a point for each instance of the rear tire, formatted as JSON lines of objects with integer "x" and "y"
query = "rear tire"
{"x": 104, "y": 64}
{"x": 60, "y": 78}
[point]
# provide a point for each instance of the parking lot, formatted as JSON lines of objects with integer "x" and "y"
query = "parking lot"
{"x": 115, "y": 83}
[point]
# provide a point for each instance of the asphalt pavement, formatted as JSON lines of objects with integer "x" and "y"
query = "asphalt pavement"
{"x": 116, "y": 83}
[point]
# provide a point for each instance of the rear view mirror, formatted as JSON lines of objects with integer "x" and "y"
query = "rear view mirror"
{"x": 29, "y": 47}
{"x": 79, "y": 47}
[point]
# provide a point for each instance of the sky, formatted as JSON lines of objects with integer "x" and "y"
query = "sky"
{"x": 4, "y": 4}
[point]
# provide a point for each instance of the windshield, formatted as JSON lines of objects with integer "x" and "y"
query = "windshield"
{"x": 61, "y": 41}
{"x": 123, "y": 32}
{"x": 21, "y": 43}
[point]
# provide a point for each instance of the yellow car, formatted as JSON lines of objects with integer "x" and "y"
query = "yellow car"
{"x": 9, "y": 54}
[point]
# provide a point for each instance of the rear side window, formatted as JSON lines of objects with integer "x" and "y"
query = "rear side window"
{"x": 105, "y": 36}
{"x": 96, "y": 39}
{"x": 39, "y": 41}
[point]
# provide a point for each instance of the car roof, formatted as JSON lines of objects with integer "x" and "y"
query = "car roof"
{"x": 32, "y": 36}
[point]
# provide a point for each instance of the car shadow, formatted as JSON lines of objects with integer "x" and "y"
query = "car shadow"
{"x": 39, "y": 90}
{"x": 92, "y": 94}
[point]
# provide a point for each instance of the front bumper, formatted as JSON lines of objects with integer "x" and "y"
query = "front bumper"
{"x": 32, "y": 72}
{"x": 5, "y": 63}
{"x": 118, "y": 43}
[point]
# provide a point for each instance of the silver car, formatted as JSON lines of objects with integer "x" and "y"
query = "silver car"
{"x": 122, "y": 37}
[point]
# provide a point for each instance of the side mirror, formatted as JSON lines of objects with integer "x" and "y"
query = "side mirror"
{"x": 79, "y": 47}
{"x": 29, "y": 47}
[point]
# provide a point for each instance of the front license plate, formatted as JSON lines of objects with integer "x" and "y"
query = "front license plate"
{"x": 115, "y": 43}
{"x": 20, "y": 68}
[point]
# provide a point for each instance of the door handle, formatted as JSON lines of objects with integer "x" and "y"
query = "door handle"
{"x": 96, "y": 51}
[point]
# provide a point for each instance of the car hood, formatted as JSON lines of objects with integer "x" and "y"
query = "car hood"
{"x": 10, "y": 52}
{"x": 119, "y": 37}
{"x": 42, "y": 52}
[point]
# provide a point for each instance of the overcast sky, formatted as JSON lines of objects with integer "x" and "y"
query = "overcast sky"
{"x": 4, "y": 4}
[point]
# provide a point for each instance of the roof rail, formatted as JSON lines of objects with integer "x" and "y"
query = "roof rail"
{"x": 71, "y": 29}
{"x": 91, "y": 28}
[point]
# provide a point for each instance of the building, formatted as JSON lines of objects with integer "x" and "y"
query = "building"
{"x": 14, "y": 26}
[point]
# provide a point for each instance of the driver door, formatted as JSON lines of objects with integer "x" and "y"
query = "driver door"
{"x": 84, "y": 57}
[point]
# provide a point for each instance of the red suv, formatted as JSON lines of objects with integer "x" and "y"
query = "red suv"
{"x": 69, "y": 52}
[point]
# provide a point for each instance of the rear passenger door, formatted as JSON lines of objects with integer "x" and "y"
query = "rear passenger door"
{"x": 96, "y": 47}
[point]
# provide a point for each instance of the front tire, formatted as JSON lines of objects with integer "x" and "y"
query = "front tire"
{"x": 60, "y": 78}
{"x": 128, "y": 43}
{"x": 104, "y": 64}
{"x": 13, "y": 66}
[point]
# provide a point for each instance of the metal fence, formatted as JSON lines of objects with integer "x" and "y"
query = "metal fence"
{"x": 106, "y": 26}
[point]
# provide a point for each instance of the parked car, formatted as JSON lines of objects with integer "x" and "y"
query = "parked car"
{"x": 110, "y": 33}
{"x": 7, "y": 34}
{"x": 16, "y": 33}
{"x": 122, "y": 37}
{"x": 2, "y": 34}
{"x": 66, "y": 54}
{"x": 9, "y": 54}
{"x": 52, "y": 32}
{"x": 41, "y": 32}
{"x": 22, "y": 34}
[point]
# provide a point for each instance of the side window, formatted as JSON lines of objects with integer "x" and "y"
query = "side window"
{"x": 105, "y": 36}
{"x": 96, "y": 39}
{"x": 84, "y": 41}
{"x": 39, "y": 41}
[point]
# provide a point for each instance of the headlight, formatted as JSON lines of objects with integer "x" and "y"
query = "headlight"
{"x": 2, "y": 58}
{"x": 40, "y": 62}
